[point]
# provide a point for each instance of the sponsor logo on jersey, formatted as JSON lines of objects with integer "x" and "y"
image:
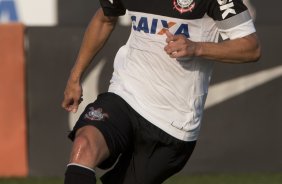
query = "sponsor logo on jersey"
{"x": 184, "y": 6}
{"x": 158, "y": 26}
{"x": 96, "y": 114}
{"x": 227, "y": 7}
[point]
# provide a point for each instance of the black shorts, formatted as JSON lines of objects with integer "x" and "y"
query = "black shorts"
{"x": 145, "y": 153}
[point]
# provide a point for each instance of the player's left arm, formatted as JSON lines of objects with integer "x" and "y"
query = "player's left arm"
{"x": 235, "y": 26}
{"x": 240, "y": 50}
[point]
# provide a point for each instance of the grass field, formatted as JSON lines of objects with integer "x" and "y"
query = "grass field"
{"x": 270, "y": 178}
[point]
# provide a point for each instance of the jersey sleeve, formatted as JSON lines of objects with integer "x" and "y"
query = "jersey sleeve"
{"x": 232, "y": 18}
{"x": 112, "y": 7}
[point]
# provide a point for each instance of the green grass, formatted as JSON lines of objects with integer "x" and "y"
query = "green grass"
{"x": 31, "y": 181}
{"x": 273, "y": 178}
{"x": 263, "y": 178}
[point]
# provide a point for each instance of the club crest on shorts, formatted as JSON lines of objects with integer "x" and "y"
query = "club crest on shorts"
{"x": 184, "y": 6}
{"x": 96, "y": 114}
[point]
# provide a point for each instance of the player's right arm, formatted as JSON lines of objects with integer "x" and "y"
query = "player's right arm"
{"x": 96, "y": 34}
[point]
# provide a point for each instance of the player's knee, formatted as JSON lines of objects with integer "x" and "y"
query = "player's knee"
{"x": 81, "y": 148}
{"x": 88, "y": 149}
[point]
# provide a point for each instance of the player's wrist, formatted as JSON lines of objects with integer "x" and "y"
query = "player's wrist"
{"x": 198, "y": 49}
{"x": 75, "y": 76}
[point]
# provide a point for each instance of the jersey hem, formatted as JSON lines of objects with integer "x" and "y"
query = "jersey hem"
{"x": 166, "y": 127}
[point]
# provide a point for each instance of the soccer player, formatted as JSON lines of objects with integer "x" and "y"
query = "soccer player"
{"x": 147, "y": 124}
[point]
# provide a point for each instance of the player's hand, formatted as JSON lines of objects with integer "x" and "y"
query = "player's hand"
{"x": 178, "y": 46}
{"x": 72, "y": 96}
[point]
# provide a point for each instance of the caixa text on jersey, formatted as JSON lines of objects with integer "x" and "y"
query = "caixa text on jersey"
{"x": 158, "y": 26}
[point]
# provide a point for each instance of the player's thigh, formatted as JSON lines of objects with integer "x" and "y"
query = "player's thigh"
{"x": 167, "y": 160}
{"x": 155, "y": 161}
{"x": 106, "y": 127}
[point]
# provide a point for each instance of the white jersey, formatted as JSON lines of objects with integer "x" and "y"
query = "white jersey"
{"x": 171, "y": 93}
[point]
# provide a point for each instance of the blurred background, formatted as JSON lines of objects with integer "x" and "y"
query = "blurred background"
{"x": 39, "y": 41}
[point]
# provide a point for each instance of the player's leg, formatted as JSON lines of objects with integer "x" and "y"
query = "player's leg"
{"x": 155, "y": 156}
{"x": 117, "y": 174}
{"x": 165, "y": 161}
{"x": 155, "y": 161}
{"x": 89, "y": 149}
{"x": 102, "y": 132}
